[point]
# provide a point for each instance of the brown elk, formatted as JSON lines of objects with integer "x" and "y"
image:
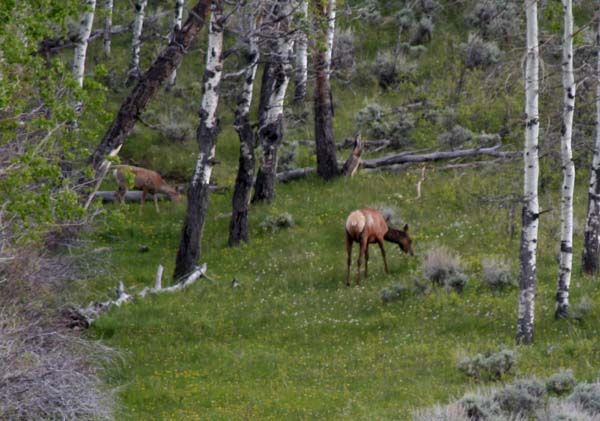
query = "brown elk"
{"x": 366, "y": 226}
{"x": 143, "y": 179}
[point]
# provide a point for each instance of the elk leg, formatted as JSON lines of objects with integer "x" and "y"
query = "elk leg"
{"x": 120, "y": 194}
{"x": 144, "y": 191}
{"x": 366, "y": 260}
{"x": 363, "y": 247}
{"x": 155, "y": 202}
{"x": 349, "y": 242}
{"x": 380, "y": 242}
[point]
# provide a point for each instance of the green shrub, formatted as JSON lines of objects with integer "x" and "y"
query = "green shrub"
{"x": 392, "y": 69}
{"x": 490, "y": 365}
{"x": 452, "y": 412}
{"x": 479, "y": 407}
{"x": 561, "y": 382}
{"x": 394, "y": 292}
{"x": 377, "y": 122}
{"x": 479, "y": 53}
{"x": 580, "y": 310}
{"x": 497, "y": 274}
{"x": 443, "y": 268}
{"x": 521, "y": 397}
{"x": 588, "y": 396}
{"x": 275, "y": 223}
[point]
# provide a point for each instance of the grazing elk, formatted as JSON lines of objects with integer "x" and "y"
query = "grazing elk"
{"x": 366, "y": 226}
{"x": 143, "y": 179}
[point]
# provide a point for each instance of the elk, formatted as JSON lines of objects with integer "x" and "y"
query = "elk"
{"x": 143, "y": 179}
{"x": 366, "y": 226}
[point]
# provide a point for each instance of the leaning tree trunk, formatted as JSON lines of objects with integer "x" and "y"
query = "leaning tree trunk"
{"x": 275, "y": 81}
{"x": 591, "y": 242}
{"x": 85, "y": 29}
{"x": 147, "y": 86}
{"x": 327, "y": 167}
{"x": 108, "y": 9}
{"x": 529, "y": 232}
{"x": 238, "y": 227}
{"x": 136, "y": 41}
{"x": 176, "y": 27}
{"x": 568, "y": 167}
{"x": 301, "y": 73}
{"x": 191, "y": 234}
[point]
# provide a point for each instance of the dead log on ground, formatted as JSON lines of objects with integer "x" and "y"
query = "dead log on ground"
{"x": 84, "y": 317}
{"x": 135, "y": 196}
{"x": 406, "y": 158}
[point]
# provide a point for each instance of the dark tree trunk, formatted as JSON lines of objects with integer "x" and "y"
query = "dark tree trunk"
{"x": 160, "y": 70}
{"x": 591, "y": 244}
{"x": 269, "y": 138}
{"x": 197, "y": 205}
{"x": 238, "y": 227}
{"x": 189, "y": 250}
{"x": 327, "y": 167}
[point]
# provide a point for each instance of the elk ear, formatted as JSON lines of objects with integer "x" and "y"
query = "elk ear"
{"x": 406, "y": 228}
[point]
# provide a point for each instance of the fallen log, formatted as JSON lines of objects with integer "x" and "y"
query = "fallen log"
{"x": 135, "y": 196}
{"x": 132, "y": 196}
{"x": 406, "y": 158}
{"x": 438, "y": 156}
{"x": 84, "y": 317}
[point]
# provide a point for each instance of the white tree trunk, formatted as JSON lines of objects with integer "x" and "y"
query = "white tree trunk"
{"x": 591, "y": 246}
{"x": 108, "y": 9}
{"x": 136, "y": 40}
{"x": 210, "y": 99}
{"x": 177, "y": 19}
{"x": 330, "y": 34}
{"x": 301, "y": 74}
{"x": 568, "y": 167}
{"x": 529, "y": 232}
{"x": 197, "y": 206}
{"x": 85, "y": 29}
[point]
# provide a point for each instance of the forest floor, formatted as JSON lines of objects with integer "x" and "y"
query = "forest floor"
{"x": 293, "y": 342}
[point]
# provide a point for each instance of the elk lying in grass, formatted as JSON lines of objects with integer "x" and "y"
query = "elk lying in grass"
{"x": 366, "y": 226}
{"x": 143, "y": 179}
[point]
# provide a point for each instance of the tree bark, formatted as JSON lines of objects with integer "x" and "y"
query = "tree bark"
{"x": 301, "y": 74}
{"x": 134, "y": 65}
{"x": 85, "y": 29}
{"x": 591, "y": 242}
{"x": 238, "y": 226}
{"x": 275, "y": 81}
{"x": 191, "y": 234}
{"x": 176, "y": 27}
{"x": 108, "y": 9}
{"x": 530, "y": 214}
{"x": 568, "y": 167}
{"x": 147, "y": 86}
{"x": 325, "y": 146}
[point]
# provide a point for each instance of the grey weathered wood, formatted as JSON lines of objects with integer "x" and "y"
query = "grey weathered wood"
{"x": 87, "y": 315}
{"x": 409, "y": 158}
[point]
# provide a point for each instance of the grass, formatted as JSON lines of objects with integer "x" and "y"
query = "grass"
{"x": 293, "y": 342}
